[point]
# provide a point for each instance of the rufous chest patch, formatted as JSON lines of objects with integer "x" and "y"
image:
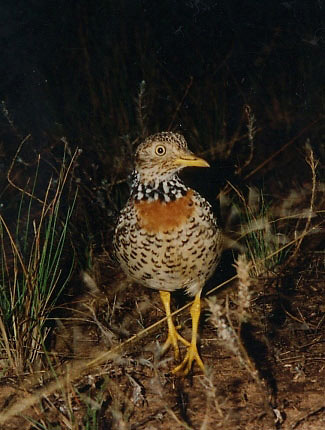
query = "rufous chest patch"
{"x": 158, "y": 216}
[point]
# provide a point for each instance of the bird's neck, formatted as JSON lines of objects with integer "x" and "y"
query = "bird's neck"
{"x": 165, "y": 189}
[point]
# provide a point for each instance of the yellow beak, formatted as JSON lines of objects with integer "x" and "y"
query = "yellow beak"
{"x": 191, "y": 160}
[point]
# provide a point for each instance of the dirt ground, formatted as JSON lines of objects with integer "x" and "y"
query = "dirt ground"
{"x": 284, "y": 338}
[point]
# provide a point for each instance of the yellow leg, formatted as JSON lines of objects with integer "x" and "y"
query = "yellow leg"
{"x": 173, "y": 335}
{"x": 192, "y": 352}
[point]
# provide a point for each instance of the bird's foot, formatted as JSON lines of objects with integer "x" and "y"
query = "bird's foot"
{"x": 172, "y": 339}
{"x": 186, "y": 365}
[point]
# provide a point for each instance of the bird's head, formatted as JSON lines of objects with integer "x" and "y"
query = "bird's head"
{"x": 162, "y": 155}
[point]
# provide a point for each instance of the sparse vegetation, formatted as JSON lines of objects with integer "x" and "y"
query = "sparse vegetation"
{"x": 32, "y": 281}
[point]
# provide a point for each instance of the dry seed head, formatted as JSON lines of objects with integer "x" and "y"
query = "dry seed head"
{"x": 225, "y": 332}
{"x": 243, "y": 267}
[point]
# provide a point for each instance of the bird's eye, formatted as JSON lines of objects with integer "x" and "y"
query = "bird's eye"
{"x": 160, "y": 150}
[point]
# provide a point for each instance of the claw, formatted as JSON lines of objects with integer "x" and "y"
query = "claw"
{"x": 173, "y": 337}
{"x": 186, "y": 365}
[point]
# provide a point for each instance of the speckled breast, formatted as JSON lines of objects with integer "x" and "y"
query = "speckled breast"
{"x": 167, "y": 246}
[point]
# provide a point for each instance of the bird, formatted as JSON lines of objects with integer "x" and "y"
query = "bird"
{"x": 167, "y": 237}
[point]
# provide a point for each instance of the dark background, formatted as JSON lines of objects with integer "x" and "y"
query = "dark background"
{"x": 72, "y": 66}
